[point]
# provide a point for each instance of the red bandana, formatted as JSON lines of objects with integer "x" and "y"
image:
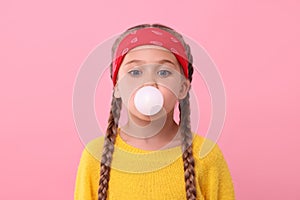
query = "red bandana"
{"x": 150, "y": 36}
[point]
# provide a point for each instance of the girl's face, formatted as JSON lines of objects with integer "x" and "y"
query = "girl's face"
{"x": 155, "y": 66}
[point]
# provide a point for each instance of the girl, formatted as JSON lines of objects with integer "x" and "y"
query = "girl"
{"x": 151, "y": 156}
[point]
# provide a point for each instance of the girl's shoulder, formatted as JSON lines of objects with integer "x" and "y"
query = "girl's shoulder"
{"x": 205, "y": 149}
{"x": 93, "y": 149}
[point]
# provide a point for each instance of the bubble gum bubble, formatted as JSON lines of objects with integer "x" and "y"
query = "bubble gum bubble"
{"x": 148, "y": 100}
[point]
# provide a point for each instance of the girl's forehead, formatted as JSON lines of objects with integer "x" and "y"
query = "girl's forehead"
{"x": 150, "y": 54}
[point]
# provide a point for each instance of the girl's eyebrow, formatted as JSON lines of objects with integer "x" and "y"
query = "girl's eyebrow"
{"x": 166, "y": 61}
{"x": 134, "y": 61}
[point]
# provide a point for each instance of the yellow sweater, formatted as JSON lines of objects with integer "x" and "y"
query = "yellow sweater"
{"x": 153, "y": 175}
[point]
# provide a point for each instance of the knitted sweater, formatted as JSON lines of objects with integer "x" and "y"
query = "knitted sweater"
{"x": 153, "y": 175}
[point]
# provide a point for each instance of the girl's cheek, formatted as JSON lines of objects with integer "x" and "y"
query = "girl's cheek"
{"x": 170, "y": 97}
{"x": 171, "y": 87}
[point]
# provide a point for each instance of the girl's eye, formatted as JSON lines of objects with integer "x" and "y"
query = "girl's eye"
{"x": 135, "y": 72}
{"x": 164, "y": 73}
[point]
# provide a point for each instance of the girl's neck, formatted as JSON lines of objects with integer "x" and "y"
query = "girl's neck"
{"x": 161, "y": 133}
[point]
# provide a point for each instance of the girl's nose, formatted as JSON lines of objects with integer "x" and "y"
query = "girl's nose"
{"x": 152, "y": 83}
{"x": 150, "y": 76}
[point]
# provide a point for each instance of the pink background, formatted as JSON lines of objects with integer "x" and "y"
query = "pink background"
{"x": 255, "y": 45}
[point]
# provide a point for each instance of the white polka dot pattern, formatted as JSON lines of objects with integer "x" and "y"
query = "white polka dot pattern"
{"x": 156, "y": 32}
{"x": 156, "y": 43}
{"x": 174, "y": 40}
{"x": 124, "y": 51}
{"x": 134, "y": 40}
{"x": 174, "y": 50}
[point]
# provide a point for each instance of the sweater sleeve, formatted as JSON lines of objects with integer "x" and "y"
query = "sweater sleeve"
{"x": 87, "y": 177}
{"x": 217, "y": 183}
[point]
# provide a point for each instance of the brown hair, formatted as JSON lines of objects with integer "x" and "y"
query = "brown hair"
{"x": 185, "y": 127}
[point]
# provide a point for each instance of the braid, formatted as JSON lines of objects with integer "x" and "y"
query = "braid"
{"x": 108, "y": 147}
{"x": 187, "y": 156}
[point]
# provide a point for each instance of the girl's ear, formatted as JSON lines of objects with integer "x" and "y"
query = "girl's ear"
{"x": 117, "y": 91}
{"x": 185, "y": 87}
